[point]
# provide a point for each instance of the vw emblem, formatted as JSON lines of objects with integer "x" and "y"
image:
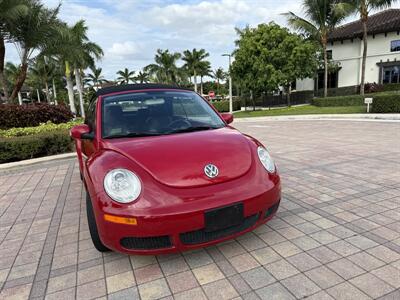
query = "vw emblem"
{"x": 211, "y": 171}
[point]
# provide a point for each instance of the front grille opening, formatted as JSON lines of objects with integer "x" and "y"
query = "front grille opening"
{"x": 146, "y": 243}
{"x": 202, "y": 236}
{"x": 272, "y": 209}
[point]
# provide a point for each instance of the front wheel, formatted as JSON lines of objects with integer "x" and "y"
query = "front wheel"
{"x": 94, "y": 234}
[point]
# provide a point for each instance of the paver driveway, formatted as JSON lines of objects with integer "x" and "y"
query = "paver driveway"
{"x": 336, "y": 235}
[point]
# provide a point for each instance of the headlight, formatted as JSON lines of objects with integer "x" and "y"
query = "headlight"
{"x": 266, "y": 159}
{"x": 122, "y": 185}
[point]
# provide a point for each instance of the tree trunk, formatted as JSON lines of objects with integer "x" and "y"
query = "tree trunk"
{"x": 38, "y": 95}
{"x": 46, "y": 89}
{"x": 54, "y": 93}
{"x": 195, "y": 80}
{"x": 325, "y": 69}
{"x": 201, "y": 85}
{"x": 364, "y": 58}
{"x": 3, "y": 81}
{"x": 289, "y": 91}
{"x": 21, "y": 75}
{"x": 70, "y": 88}
{"x": 80, "y": 92}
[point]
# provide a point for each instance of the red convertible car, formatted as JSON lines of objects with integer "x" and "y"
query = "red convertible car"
{"x": 164, "y": 172}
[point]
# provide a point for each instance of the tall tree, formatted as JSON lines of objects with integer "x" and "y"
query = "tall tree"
{"x": 96, "y": 78}
{"x": 219, "y": 74}
{"x": 40, "y": 72}
{"x": 142, "y": 77}
{"x": 32, "y": 33}
{"x": 204, "y": 70}
{"x": 269, "y": 57}
{"x": 125, "y": 76}
{"x": 10, "y": 12}
{"x": 165, "y": 69}
{"x": 193, "y": 60}
{"x": 363, "y": 8}
{"x": 322, "y": 16}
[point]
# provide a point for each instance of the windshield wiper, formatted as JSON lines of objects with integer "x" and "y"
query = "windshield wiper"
{"x": 131, "y": 134}
{"x": 195, "y": 128}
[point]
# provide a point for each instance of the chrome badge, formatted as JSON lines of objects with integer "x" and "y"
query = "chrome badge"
{"x": 211, "y": 171}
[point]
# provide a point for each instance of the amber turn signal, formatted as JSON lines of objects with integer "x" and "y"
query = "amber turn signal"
{"x": 120, "y": 220}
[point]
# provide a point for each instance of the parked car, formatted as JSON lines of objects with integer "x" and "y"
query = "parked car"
{"x": 164, "y": 172}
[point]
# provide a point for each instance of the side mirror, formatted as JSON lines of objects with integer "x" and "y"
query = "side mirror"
{"x": 81, "y": 132}
{"x": 228, "y": 118}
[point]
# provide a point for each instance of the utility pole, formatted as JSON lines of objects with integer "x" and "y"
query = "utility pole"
{"x": 230, "y": 83}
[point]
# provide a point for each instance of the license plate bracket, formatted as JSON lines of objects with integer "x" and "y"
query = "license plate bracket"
{"x": 224, "y": 217}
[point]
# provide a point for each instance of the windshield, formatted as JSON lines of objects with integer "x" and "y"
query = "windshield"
{"x": 156, "y": 113}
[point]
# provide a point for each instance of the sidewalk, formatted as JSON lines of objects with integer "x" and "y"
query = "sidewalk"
{"x": 331, "y": 117}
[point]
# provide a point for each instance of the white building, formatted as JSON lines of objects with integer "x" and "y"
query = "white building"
{"x": 346, "y": 48}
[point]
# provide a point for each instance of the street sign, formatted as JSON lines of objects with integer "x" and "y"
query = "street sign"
{"x": 368, "y": 101}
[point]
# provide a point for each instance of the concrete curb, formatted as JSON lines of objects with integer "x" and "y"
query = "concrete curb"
{"x": 36, "y": 160}
{"x": 328, "y": 117}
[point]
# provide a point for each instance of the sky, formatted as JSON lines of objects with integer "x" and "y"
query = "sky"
{"x": 130, "y": 31}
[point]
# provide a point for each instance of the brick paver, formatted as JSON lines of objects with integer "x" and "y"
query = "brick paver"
{"x": 336, "y": 234}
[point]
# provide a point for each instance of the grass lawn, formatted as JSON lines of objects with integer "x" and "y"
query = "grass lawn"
{"x": 302, "y": 110}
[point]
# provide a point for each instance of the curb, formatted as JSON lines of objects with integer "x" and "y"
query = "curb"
{"x": 328, "y": 117}
{"x": 36, "y": 160}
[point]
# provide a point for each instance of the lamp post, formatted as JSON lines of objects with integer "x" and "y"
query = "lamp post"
{"x": 230, "y": 83}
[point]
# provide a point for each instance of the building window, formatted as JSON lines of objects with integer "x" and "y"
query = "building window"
{"x": 329, "y": 54}
{"x": 391, "y": 74}
{"x": 332, "y": 80}
{"x": 395, "y": 46}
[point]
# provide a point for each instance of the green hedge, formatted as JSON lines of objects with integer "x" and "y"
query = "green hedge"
{"x": 37, "y": 145}
{"x": 223, "y": 106}
{"x": 44, "y": 127}
{"x": 386, "y": 103}
{"x": 353, "y": 100}
{"x": 391, "y": 87}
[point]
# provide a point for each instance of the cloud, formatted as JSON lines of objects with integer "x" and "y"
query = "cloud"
{"x": 130, "y": 31}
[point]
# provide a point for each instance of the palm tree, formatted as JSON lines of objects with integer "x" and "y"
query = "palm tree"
{"x": 125, "y": 76}
{"x": 40, "y": 71}
{"x": 95, "y": 79}
{"x": 10, "y": 11}
{"x": 322, "y": 17}
{"x": 11, "y": 72}
{"x": 142, "y": 77}
{"x": 31, "y": 32}
{"x": 363, "y": 8}
{"x": 204, "y": 70}
{"x": 219, "y": 74}
{"x": 193, "y": 59}
{"x": 76, "y": 52}
{"x": 164, "y": 69}
{"x": 84, "y": 53}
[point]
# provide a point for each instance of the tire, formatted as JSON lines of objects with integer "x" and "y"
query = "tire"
{"x": 94, "y": 234}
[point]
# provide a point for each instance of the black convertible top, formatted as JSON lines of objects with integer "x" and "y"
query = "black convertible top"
{"x": 135, "y": 87}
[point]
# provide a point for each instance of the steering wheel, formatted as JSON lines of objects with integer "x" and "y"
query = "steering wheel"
{"x": 180, "y": 123}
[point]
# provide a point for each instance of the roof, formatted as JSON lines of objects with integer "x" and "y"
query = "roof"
{"x": 382, "y": 22}
{"x": 136, "y": 87}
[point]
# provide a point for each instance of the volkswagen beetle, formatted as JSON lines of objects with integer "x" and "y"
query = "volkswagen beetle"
{"x": 164, "y": 172}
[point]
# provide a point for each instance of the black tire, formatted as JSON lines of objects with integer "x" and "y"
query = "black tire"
{"x": 94, "y": 234}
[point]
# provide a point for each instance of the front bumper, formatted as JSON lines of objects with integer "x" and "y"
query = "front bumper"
{"x": 184, "y": 228}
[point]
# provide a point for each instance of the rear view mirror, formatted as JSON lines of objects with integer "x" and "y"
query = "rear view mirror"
{"x": 228, "y": 118}
{"x": 81, "y": 132}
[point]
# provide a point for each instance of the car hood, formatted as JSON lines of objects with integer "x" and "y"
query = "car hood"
{"x": 178, "y": 160}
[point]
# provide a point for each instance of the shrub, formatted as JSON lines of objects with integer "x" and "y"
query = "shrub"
{"x": 353, "y": 100}
{"x": 12, "y": 115}
{"x": 223, "y": 106}
{"x": 386, "y": 103}
{"x": 341, "y": 91}
{"x": 44, "y": 127}
{"x": 391, "y": 87}
{"x": 37, "y": 145}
